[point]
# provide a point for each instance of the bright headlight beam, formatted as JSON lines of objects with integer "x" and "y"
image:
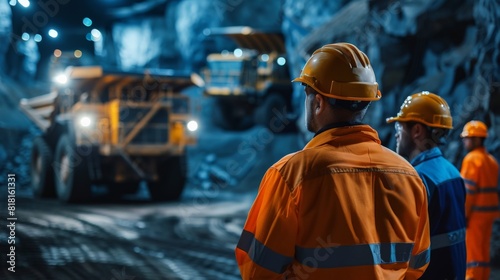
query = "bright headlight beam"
{"x": 85, "y": 121}
{"x": 192, "y": 125}
{"x": 61, "y": 79}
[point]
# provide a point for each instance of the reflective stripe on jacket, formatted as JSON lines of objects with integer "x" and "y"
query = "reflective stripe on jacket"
{"x": 344, "y": 207}
{"x": 446, "y": 198}
{"x": 480, "y": 172}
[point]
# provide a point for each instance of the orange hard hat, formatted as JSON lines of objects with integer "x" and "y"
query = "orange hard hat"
{"x": 427, "y": 108}
{"x": 475, "y": 129}
{"x": 340, "y": 71}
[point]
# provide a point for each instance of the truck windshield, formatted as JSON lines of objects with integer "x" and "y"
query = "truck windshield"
{"x": 225, "y": 73}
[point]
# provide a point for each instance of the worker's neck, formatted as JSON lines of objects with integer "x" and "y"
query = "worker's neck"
{"x": 420, "y": 149}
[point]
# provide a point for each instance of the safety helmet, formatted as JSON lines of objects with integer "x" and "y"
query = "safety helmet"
{"x": 475, "y": 129}
{"x": 427, "y": 108}
{"x": 340, "y": 71}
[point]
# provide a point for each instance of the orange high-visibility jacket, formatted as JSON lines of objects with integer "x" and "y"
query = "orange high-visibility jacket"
{"x": 480, "y": 173}
{"x": 344, "y": 207}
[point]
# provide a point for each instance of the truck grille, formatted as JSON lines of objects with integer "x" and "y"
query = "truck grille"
{"x": 155, "y": 131}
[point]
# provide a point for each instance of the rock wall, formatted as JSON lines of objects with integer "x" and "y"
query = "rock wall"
{"x": 485, "y": 63}
{"x": 139, "y": 43}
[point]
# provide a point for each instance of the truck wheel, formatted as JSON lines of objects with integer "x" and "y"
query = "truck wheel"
{"x": 271, "y": 113}
{"x": 171, "y": 179}
{"x": 72, "y": 178}
{"x": 42, "y": 173}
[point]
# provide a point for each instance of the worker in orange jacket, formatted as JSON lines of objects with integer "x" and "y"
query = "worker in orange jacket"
{"x": 480, "y": 172}
{"x": 344, "y": 207}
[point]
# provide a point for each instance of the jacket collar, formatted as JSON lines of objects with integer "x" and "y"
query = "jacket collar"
{"x": 344, "y": 135}
{"x": 335, "y": 125}
{"x": 426, "y": 155}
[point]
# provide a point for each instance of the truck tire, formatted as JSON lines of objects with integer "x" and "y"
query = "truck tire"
{"x": 42, "y": 173}
{"x": 72, "y": 176}
{"x": 171, "y": 179}
{"x": 270, "y": 113}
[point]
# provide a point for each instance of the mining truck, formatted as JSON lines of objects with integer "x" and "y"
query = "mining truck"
{"x": 250, "y": 84}
{"x": 112, "y": 129}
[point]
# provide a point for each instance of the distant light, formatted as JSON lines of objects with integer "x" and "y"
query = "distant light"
{"x": 87, "y": 21}
{"x": 53, "y": 33}
{"x": 57, "y": 53}
{"x": 61, "y": 79}
{"x": 192, "y": 126}
{"x": 25, "y": 36}
{"x": 264, "y": 57}
{"x": 224, "y": 52}
{"x": 88, "y": 37}
{"x": 13, "y": 2}
{"x": 238, "y": 52}
{"x": 78, "y": 53}
{"x": 281, "y": 61}
{"x": 24, "y": 3}
{"x": 96, "y": 35}
{"x": 37, "y": 38}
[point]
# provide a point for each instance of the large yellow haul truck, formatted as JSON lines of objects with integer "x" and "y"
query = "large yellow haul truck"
{"x": 113, "y": 129}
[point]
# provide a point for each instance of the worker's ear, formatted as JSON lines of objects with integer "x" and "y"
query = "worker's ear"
{"x": 319, "y": 104}
{"x": 418, "y": 132}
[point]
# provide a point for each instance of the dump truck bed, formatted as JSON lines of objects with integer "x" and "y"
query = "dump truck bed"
{"x": 39, "y": 109}
{"x": 93, "y": 80}
{"x": 263, "y": 41}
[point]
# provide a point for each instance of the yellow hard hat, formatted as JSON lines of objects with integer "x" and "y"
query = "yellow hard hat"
{"x": 427, "y": 108}
{"x": 475, "y": 129}
{"x": 340, "y": 71}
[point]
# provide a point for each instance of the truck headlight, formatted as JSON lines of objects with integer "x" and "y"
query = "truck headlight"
{"x": 85, "y": 121}
{"x": 61, "y": 79}
{"x": 192, "y": 125}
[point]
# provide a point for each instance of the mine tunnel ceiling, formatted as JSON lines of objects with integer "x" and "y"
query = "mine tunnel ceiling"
{"x": 106, "y": 11}
{"x": 69, "y": 15}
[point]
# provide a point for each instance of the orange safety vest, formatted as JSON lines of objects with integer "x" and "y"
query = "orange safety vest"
{"x": 344, "y": 207}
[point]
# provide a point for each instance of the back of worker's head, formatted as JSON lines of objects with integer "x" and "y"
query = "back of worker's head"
{"x": 342, "y": 73}
{"x": 428, "y": 109}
